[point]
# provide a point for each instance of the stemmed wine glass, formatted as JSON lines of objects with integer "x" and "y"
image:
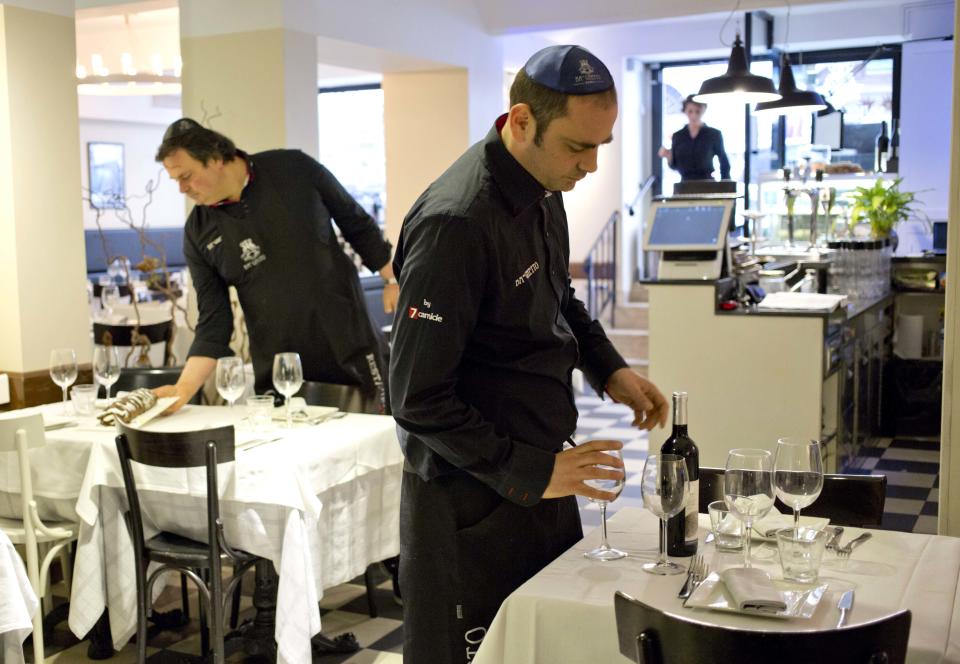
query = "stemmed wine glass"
{"x": 748, "y": 489}
{"x": 231, "y": 380}
{"x": 604, "y": 552}
{"x": 63, "y": 370}
{"x": 109, "y": 297}
{"x": 664, "y": 489}
{"x": 106, "y": 366}
{"x": 798, "y": 473}
{"x": 287, "y": 378}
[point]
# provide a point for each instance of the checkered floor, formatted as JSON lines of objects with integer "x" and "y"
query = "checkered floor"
{"x": 911, "y": 467}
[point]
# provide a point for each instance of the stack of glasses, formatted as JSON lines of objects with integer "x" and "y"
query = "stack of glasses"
{"x": 860, "y": 269}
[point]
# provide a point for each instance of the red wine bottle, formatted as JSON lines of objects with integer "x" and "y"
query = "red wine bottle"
{"x": 682, "y": 528}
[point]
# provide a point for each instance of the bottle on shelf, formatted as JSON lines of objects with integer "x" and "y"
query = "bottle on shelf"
{"x": 682, "y": 528}
{"x": 893, "y": 159}
{"x": 882, "y": 148}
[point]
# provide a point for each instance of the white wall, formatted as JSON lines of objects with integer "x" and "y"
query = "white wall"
{"x": 99, "y": 122}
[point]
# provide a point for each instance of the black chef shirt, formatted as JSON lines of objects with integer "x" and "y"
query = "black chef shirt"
{"x": 488, "y": 329}
{"x": 693, "y": 157}
{"x": 298, "y": 290}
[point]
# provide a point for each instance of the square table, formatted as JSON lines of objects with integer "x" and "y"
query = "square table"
{"x": 321, "y": 502}
{"x": 565, "y": 613}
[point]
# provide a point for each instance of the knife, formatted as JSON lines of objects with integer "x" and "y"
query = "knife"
{"x": 60, "y": 425}
{"x": 846, "y": 606}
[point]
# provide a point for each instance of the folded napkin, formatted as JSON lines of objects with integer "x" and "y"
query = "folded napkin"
{"x": 730, "y": 525}
{"x": 801, "y": 302}
{"x": 752, "y": 590}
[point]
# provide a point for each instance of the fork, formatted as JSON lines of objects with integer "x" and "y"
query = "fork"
{"x": 691, "y": 570}
{"x": 699, "y": 574}
{"x": 845, "y": 551}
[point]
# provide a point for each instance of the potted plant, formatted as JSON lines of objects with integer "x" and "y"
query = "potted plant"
{"x": 882, "y": 206}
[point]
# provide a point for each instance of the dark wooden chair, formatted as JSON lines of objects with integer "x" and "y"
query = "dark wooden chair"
{"x": 847, "y": 500}
{"x": 123, "y": 289}
{"x": 122, "y": 335}
{"x": 131, "y": 379}
{"x": 650, "y": 636}
{"x": 189, "y": 449}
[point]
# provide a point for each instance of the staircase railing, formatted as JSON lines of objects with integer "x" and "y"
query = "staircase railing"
{"x": 601, "y": 268}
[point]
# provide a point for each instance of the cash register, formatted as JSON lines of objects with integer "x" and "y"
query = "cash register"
{"x": 690, "y": 233}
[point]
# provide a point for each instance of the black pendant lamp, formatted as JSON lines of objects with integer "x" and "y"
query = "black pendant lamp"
{"x": 792, "y": 99}
{"x": 738, "y": 82}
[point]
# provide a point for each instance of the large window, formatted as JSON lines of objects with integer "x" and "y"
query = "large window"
{"x": 352, "y": 142}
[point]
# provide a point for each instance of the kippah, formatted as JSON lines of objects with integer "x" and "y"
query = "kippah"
{"x": 181, "y": 126}
{"x": 572, "y": 70}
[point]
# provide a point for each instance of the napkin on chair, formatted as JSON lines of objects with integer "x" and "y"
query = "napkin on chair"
{"x": 753, "y": 590}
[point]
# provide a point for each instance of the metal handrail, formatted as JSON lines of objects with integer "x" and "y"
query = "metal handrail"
{"x": 641, "y": 192}
{"x": 600, "y": 266}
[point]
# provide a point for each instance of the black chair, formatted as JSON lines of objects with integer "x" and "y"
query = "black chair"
{"x": 189, "y": 449}
{"x": 650, "y": 636}
{"x": 122, "y": 335}
{"x": 123, "y": 289}
{"x": 131, "y": 379}
{"x": 847, "y": 500}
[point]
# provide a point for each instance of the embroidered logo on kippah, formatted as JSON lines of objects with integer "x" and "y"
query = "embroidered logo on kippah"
{"x": 588, "y": 74}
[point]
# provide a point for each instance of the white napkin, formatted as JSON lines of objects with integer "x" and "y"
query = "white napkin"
{"x": 752, "y": 590}
{"x": 801, "y": 302}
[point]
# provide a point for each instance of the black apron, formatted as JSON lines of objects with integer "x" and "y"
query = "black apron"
{"x": 463, "y": 550}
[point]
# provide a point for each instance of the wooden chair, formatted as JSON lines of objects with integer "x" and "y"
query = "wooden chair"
{"x": 188, "y": 449}
{"x": 122, "y": 337}
{"x": 19, "y": 434}
{"x": 847, "y": 500}
{"x": 649, "y": 636}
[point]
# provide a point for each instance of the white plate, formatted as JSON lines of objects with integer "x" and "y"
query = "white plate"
{"x": 162, "y": 404}
{"x": 801, "y": 600}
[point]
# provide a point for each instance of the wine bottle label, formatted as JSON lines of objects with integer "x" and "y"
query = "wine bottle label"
{"x": 692, "y": 510}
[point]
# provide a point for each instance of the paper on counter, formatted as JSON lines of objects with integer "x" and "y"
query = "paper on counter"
{"x": 820, "y": 302}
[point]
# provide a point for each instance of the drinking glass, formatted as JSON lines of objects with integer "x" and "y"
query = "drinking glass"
{"x": 748, "y": 489}
{"x": 260, "y": 411}
{"x": 797, "y": 474}
{"x": 231, "y": 380}
{"x": 106, "y": 366}
{"x": 604, "y": 552}
{"x": 287, "y": 378}
{"x": 109, "y": 297}
{"x": 84, "y": 398}
{"x": 664, "y": 489}
{"x": 63, "y": 370}
{"x": 801, "y": 550}
{"x": 727, "y": 528}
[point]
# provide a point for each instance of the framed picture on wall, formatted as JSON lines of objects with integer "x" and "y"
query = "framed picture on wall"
{"x": 105, "y": 168}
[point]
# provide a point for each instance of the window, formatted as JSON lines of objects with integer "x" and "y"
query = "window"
{"x": 352, "y": 142}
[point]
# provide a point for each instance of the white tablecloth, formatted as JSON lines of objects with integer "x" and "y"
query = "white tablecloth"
{"x": 321, "y": 503}
{"x": 565, "y": 614}
{"x": 18, "y": 603}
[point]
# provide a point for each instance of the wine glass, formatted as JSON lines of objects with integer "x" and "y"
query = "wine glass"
{"x": 748, "y": 489}
{"x": 604, "y": 552}
{"x": 106, "y": 366}
{"x": 664, "y": 487}
{"x": 797, "y": 473}
{"x": 287, "y": 378}
{"x": 231, "y": 380}
{"x": 63, "y": 370}
{"x": 109, "y": 297}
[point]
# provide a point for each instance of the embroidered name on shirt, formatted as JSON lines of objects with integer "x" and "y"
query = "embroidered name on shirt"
{"x": 414, "y": 313}
{"x": 529, "y": 272}
{"x": 250, "y": 254}
{"x": 217, "y": 240}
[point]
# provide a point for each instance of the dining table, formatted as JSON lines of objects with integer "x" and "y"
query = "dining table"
{"x": 565, "y": 613}
{"x": 18, "y": 603}
{"x": 318, "y": 501}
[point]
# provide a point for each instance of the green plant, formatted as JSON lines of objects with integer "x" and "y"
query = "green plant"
{"x": 883, "y": 205}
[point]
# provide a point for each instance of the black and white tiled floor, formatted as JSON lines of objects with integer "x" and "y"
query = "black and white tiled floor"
{"x": 911, "y": 467}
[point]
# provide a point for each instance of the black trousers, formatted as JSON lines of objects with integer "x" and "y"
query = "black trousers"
{"x": 463, "y": 550}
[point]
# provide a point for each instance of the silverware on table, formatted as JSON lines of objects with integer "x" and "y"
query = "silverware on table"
{"x": 691, "y": 569}
{"x": 835, "y": 540}
{"x": 846, "y": 606}
{"x": 700, "y": 573}
{"x": 846, "y": 550}
{"x": 257, "y": 443}
{"x": 60, "y": 425}
{"x": 320, "y": 419}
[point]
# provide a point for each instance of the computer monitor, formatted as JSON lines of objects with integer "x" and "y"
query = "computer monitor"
{"x": 688, "y": 225}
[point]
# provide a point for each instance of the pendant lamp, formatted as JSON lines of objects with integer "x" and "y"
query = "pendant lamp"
{"x": 792, "y": 99}
{"x": 738, "y": 83}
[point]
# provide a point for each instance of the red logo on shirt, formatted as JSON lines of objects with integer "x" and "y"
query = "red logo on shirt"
{"x": 413, "y": 312}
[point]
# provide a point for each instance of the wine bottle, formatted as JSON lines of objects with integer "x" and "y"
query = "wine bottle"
{"x": 883, "y": 146}
{"x": 682, "y": 528}
{"x": 893, "y": 159}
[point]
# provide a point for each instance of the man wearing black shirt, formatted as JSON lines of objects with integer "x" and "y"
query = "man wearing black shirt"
{"x": 262, "y": 224}
{"x": 487, "y": 336}
{"x": 694, "y": 147}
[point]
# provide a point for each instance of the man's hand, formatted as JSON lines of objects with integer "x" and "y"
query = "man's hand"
{"x": 574, "y": 466}
{"x": 172, "y": 391}
{"x": 649, "y": 406}
{"x": 391, "y": 293}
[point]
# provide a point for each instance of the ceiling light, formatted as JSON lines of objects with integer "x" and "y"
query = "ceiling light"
{"x": 738, "y": 83}
{"x": 792, "y": 99}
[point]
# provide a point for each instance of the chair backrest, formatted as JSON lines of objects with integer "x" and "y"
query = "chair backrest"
{"x": 649, "y": 636}
{"x": 188, "y": 449}
{"x": 345, "y": 397}
{"x": 21, "y": 433}
{"x": 847, "y": 500}
{"x": 122, "y": 335}
{"x": 133, "y": 378}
